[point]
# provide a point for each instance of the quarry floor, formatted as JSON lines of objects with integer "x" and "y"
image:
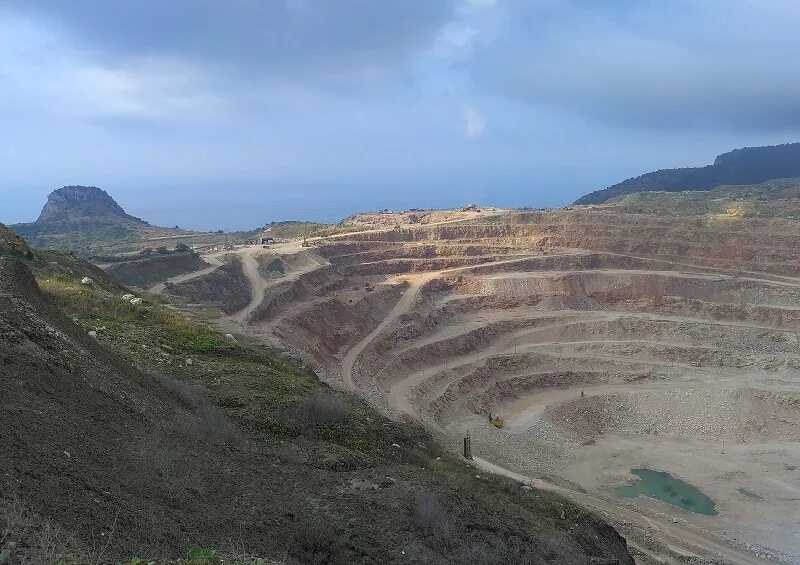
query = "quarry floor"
{"x": 593, "y": 357}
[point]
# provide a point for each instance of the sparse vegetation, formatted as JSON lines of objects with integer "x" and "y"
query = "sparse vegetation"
{"x": 738, "y": 167}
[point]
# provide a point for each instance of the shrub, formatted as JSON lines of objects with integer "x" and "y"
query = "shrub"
{"x": 433, "y": 517}
{"x": 319, "y": 409}
{"x": 200, "y": 556}
{"x": 318, "y": 541}
{"x": 206, "y": 421}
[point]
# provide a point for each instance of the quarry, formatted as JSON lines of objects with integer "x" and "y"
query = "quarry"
{"x": 579, "y": 349}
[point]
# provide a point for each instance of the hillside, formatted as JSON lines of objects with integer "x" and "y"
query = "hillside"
{"x": 128, "y": 429}
{"x": 749, "y": 165}
{"x": 86, "y": 220}
{"x": 772, "y": 199}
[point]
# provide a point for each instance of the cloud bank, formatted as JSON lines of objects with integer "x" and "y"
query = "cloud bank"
{"x": 356, "y": 104}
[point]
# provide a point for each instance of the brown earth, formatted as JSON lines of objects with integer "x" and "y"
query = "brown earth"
{"x": 226, "y": 288}
{"x": 148, "y": 271}
{"x": 606, "y": 339}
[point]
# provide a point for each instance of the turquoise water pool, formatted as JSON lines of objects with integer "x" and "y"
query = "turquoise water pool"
{"x": 666, "y": 488}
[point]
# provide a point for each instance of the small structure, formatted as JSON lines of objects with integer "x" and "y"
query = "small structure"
{"x": 267, "y": 240}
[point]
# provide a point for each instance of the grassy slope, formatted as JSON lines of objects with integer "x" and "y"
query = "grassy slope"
{"x": 273, "y": 463}
{"x": 772, "y": 199}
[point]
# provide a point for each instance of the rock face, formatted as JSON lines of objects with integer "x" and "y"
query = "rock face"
{"x": 82, "y": 219}
{"x": 82, "y": 202}
{"x": 749, "y": 165}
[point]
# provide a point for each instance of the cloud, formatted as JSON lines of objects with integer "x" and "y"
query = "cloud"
{"x": 453, "y": 40}
{"x": 474, "y": 122}
{"x": 686, "y": 64}
{"x": 293, "y": 39}
{"x": 45, "y": 74}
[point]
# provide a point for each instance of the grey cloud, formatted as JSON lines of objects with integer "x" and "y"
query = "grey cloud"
{"x": 716, "y": 64}
{"x": 291, "y": 37}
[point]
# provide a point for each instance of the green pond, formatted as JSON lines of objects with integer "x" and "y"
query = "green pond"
{"x": 663, "y": 486}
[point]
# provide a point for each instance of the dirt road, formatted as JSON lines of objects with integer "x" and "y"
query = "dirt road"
{"x": 416, "y": 282}
{"x": 214, "y": 261}
{"x": 257, "y": 283}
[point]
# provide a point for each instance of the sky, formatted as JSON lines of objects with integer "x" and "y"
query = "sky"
{"x": 228, "y": 114}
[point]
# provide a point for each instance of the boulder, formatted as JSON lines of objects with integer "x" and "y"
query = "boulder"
{"x": 87, "y": 281}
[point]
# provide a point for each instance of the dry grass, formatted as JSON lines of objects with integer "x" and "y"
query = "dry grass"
{"x": 28, "y": 539}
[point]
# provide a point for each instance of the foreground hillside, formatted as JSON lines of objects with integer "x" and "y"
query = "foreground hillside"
{"x": 741, "y": 166}
{"x": 130, "y": 430}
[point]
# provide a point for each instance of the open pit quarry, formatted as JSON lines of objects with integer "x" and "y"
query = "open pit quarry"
{"x": 572, "y": 347}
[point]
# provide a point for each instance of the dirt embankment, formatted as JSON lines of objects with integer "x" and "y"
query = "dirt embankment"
{"x": 148, "y": 271}
{"x": 227, "y": 288}
{"x": 747, "y": 243}
{"x": 71, "y": 411}
{"x": 10, "y": 242}
{"x": 320, "y": 283}
{"x": 333, "y": 325}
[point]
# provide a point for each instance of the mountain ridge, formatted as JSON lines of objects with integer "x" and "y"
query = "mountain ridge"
{"x": 747, "y": 165}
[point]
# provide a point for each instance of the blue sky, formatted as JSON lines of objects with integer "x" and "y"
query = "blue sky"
{"x": 229, "y": 114}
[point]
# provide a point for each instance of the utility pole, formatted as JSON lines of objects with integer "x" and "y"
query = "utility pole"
{"x": 467, "y": 447}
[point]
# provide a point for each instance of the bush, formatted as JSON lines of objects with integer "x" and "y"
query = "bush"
{"x": 320, "y": 408}
{"x": 319, "y": 542}
{"x": 207, "y": 421}
{"x": 434, "y": 518}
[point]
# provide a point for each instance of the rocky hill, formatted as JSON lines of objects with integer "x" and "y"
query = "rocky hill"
{"x": 749, "y": 165}
{"x": 128, "y": 430}
{"x": 76, "y": 203}
{"x": 86, "y": 220}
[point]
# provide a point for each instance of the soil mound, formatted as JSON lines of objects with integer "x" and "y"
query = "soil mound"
{"x": 10, "y": 242}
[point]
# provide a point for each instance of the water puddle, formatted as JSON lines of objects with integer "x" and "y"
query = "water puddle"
{"x": 666, "y": 488}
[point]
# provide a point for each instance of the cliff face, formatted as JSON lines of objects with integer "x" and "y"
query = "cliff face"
{"x": 749, "y": 165}
{"x": 83, "y": 219}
